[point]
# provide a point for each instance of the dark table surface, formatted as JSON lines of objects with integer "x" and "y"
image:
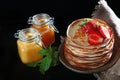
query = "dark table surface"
{"x": 14, "y": 15}
{"x": 12, "y": 68}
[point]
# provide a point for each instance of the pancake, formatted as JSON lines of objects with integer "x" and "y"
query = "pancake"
{"x": 92, "y": 53}
{"x": 89, "y": 43}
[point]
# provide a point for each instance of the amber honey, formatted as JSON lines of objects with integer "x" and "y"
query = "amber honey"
{"x": 29, "y": 45}
{"x": 28, "y": 52}
{"x": 47, "y": 34}
{"x": 44, "y": 24}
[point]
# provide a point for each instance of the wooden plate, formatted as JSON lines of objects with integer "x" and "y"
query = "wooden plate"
{"x": 113, "y": 60}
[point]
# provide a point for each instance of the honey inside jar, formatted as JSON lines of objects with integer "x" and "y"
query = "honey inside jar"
{"x": 44, "y": 24}
{"x": 48, "y": 35}
{"x": 28, "y": 47}
{"x": 29, "y": 35}
{"x": 28, "y": 52}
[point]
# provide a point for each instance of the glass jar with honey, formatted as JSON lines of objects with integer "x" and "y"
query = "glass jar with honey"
{"x": 44, "y": 24}
{"x": 29, "y": 43}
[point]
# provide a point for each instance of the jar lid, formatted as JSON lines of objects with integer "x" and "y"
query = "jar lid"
{"x": 29, "y": 35}
{"x": 41, "y": 20}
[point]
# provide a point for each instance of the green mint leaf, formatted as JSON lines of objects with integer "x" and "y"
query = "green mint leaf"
{"x": 42, "y": 52}
{"x": 34, "y": 64}
{"x": 50, "y": 50}
{"x": 45, "y": 64}
{"x": 54, "y": 58}
{"x": 83, "y": 22}
{"x": 50, "y": 59}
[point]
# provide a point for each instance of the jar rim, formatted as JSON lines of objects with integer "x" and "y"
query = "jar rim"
{"x": 28, "y": 34}
{"x": 40, "y": 19}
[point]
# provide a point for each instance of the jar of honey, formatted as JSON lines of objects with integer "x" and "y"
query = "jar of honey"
{"x": 29, "y": 43}
{"x": 44, "y": 24}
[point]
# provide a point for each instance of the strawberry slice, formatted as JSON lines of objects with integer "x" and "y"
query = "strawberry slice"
{"x": 95, "y": 38}
{"x": 84, "y": 29}
{"x": 88, "y": 27}
{"x": 91, "y": 25}
{"x": 104, "y": 32}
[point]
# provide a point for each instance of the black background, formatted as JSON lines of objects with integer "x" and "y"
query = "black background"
{"x": 14, "y": 15}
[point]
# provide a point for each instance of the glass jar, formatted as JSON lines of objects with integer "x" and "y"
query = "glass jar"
{"x": 29, "y": 43}
{"x": 44, "y": 24}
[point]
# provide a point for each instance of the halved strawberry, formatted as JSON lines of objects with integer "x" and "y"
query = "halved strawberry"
{"x": 104, "y": 31}
{"x": 90, "y": 26}
{"x": 84, "y": 30}
{"x": 95, "y": 38}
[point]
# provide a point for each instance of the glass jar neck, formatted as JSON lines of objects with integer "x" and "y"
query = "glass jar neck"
{"x": 41, "y": 20}
{"x": 28, "y": 35}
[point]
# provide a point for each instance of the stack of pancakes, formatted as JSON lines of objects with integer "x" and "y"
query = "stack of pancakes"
{"x": 80, "y": 52}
